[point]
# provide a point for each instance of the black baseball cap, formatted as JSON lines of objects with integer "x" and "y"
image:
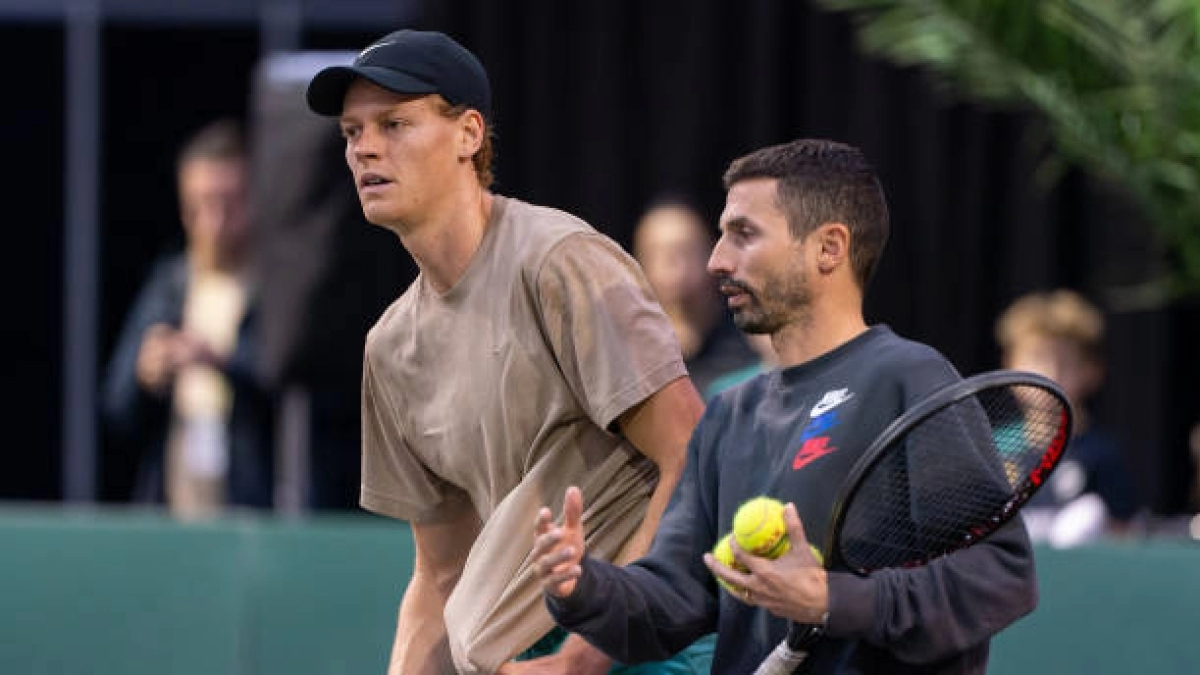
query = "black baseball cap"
{"x": 408, "y": 62}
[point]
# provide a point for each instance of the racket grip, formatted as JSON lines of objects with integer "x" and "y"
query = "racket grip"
{"x": 783, "y": 660}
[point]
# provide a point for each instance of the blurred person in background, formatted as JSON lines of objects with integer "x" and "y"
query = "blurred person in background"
{"x": 672, "y": 243}
{"x": 181, "y": 389}
{"x": 1060, "y": 335}
{"x": 767, "y": 359}
{"x": 1194, "y": 496}
{"x": 528, "y": 355}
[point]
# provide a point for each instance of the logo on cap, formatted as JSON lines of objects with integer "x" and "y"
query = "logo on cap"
{"x": 372, "y": 48}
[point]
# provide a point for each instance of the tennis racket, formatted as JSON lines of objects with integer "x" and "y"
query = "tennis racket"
{"x": 948, "y": 472}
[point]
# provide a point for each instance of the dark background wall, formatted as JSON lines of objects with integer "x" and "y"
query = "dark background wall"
{"x": 31, "y": 124}
{"x": 601, "y": 106}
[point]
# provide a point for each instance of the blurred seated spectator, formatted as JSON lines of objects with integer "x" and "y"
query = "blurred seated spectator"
{"x": 181, "y": 390}
{"x": 1060, "y": 335}
{"x": 672, "y": 244}
{"x": 761, "y": 344}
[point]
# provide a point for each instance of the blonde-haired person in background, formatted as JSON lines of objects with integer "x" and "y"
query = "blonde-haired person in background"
{"x": 1060, "y": 335}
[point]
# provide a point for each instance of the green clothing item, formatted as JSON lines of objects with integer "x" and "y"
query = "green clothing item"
{"x": 733, "y": 379}
{"x": 695, "y": 660}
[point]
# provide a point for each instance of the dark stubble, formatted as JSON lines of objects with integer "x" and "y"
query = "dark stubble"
{"x": 782, "y": 298}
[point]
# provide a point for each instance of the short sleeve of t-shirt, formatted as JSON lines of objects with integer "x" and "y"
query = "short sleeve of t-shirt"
{"x": 614, "y": 344}
{"x": 388, "y": 461}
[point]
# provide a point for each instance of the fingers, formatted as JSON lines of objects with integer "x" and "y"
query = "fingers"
{"x": 747, "y": 560}
{"x": 795, "y": 528}
{"x": 558, "y": 571}
{"x": 561, "y": 582}
{"x": 158, "y": 331}
{"x": 557, "y": 567}
{"x": 573, "y": 508}
{"x": 546, "y": 541}
{"x": 189, "y": 349}
{"x": 543, "y": 522}
{"x": 556, "y": 561}
{"x": 728, "y": 575}
{"x": 558, "y": 549}
{"x": 165, "y": 351}
{"x": 153, "y": 360}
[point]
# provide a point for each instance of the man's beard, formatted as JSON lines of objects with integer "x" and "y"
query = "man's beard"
{"x": 753, "y": 319}
{"x": 768, "y": 309}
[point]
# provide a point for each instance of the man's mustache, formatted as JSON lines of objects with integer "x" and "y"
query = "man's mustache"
{"x": 729, "y": 285}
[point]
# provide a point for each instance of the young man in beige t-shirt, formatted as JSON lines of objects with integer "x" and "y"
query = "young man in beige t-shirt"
{"x": 527, "y": 356}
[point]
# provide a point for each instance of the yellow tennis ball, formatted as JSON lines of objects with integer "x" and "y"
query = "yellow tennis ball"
{"x": 759, "y": 528}
{"x": 785, "y": 545}
{"x": 782, "y": 546}
{"x": 723, "y": 552}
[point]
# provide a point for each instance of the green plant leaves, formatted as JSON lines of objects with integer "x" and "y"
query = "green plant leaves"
{"x": 1117, "y": 82}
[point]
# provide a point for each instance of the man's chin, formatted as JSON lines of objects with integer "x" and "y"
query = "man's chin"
{"x": 378, "y": 216}
{"x": 752, "y": 323}
{"x": 748, "y": 324}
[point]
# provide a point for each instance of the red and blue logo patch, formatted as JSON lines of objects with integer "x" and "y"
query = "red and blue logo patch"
{"x": 815, "y": 440}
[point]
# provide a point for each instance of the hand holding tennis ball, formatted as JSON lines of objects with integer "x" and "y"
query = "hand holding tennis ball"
{"x": 759, "y": 529}
{"x": 767, "y": 571}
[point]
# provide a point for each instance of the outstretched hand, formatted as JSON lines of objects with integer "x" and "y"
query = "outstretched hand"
{"x": 558, "y": 549}
{"x": 793, "y": 586}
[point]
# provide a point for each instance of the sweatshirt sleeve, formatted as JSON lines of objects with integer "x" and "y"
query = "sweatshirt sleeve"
{"x": 659, "y": 604}
{"x": 925, "y": 614}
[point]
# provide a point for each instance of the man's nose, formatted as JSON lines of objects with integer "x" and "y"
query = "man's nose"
{"x": 718, "y": 262}
{"x": 366, "y": 145}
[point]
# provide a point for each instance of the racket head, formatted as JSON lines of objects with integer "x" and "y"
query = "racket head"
{"x": 950, "y": 471}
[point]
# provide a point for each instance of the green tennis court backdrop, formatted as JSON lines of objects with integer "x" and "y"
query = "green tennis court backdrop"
{"x": 133, "y": 594}
{"x": 130, "y": 594}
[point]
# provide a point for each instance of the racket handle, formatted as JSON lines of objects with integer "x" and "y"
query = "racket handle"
{"x": 783, "y": 660}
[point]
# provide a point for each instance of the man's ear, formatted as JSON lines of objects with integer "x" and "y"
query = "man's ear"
{"x": 833, "y": 246}
{"x": 472, "y": 130}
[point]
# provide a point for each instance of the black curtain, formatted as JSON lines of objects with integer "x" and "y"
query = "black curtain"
{"x": 31, "y": 277}
{"x": 602, "y": 105}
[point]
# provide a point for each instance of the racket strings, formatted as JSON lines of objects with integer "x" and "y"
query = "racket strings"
{"x": 952, "y": 478}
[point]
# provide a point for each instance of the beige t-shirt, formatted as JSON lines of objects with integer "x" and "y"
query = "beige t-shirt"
{"x": 499, "y": 394}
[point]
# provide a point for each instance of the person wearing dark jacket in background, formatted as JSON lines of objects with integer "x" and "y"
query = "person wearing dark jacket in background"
{"x": 803, "y": 228}
{"x": 182, "y": 390}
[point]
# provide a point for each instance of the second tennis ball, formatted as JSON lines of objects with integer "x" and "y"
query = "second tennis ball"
{"x": 723, "y": 552}
{"x": 759, "y": 528}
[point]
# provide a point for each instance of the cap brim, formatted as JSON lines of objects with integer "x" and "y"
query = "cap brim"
{"x": 327, "y": 91}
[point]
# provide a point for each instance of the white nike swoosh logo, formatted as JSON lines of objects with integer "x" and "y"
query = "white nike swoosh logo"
{"x": 823, "y": 407}
{"x": 373, "y": 48}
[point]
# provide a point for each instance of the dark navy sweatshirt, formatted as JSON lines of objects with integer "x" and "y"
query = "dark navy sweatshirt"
{"x": 793, "y": 434}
